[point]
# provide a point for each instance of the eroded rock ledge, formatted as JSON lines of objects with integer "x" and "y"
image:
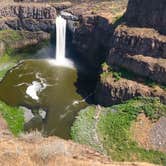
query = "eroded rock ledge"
{"x": 140, "y": 50}
{"x": 138, "y": 45}
{"x": 111, "y": 91}
{"x": 30, "y": 16}
{"x": 147, "y": 13}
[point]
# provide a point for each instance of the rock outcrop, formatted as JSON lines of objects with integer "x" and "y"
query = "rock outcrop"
{"x": 140, "y": 50}
{"x": 21, "y": 40}
{"x": 147, "y": 13}
{"x": 93, "y": 31}
{"x": 91, "y": 40}
{"x": 111, "y": 91}
{"x": 27, "y": 17}
{"x": 138, "y": 45}
{"x": 30, "y": 16}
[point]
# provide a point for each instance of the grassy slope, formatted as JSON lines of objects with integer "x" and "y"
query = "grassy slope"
{"x": 113, "y": 129}
{"x": 14, "y": 117}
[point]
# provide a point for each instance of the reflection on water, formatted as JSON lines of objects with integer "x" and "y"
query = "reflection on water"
{"x": 37, "y": 84}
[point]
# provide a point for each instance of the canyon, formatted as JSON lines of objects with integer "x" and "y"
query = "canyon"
{"x": 123, "y": 42}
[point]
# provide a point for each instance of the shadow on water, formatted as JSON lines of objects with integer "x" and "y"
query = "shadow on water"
{"x": 86, "y": 75}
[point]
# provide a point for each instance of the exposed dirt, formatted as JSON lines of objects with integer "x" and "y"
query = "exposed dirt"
{"x": 141, "y": 130}
{"x": 33, "y": 149}
{"x": 150, "y": 135}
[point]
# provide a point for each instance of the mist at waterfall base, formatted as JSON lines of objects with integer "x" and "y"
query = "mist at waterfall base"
{"x": 59, "y": 89}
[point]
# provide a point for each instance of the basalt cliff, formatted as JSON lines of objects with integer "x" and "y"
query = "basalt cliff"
{"x": 138, "y": 47}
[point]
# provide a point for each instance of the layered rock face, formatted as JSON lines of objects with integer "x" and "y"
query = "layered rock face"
{"x": 138, "y": 46}
{"x": 27, "y": 17}
{"x": 140, "y": 50}
{"x": 91, "y": 39}
{"x": 23, "y": 39}
{"x": 112, "y": 91}
{"x": 147, "y": 13}
{"x": 93, "y": 32}
{"x": 30, "y": 16}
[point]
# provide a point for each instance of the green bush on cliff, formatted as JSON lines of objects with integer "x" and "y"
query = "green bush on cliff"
{"x": 10, "y": 36}
{"x": 113, "y": 129}
{"x": 14, "y": 117}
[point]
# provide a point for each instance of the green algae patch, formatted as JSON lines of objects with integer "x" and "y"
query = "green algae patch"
{"x": 113, "y": 129}
{"x": 14, "y": 117}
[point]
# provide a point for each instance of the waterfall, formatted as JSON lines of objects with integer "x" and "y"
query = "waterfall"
{"x": 61, "y": 59}
{"x": 60, "y": 38}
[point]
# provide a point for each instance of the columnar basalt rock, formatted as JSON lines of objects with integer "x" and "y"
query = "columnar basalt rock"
{"x": 30, "y": 16}
{"x": 140, "y": 50}
{"x": 112, "y": 91}
{"x": 93, "y": 32}
{"x": 145, "y": 41}
{"x": 138, "y": 45}
{"x": 91, "y": 39}
{"x": 25, "y": 38}
{"x": 147, "y": 13}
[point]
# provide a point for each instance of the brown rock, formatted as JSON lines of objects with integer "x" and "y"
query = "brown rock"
{"x": 141, "y": 51}
{"x": 111, "y": 91}
{"x": 147, "y": 13}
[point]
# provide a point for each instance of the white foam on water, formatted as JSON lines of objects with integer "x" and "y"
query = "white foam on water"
{"x": 33, "y": 89}
{"x": 36, "y": 87}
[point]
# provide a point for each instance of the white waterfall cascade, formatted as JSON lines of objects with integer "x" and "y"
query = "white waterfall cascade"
{"x": 61, "y": 60}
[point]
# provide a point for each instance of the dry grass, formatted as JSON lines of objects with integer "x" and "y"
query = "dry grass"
{"x": 32, "y": 137}
{"x": 33, "y": 150}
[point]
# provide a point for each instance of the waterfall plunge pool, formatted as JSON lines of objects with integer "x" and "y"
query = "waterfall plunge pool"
{"x": 59, "y": 91}
{"x": 51, "y": 95}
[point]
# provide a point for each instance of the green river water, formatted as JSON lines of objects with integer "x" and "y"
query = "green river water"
{"x": 59, "y": 96}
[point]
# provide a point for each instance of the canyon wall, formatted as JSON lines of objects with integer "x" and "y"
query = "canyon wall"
{"x": 91, "y": 40}
{"x": 147, "y": 13}
{"x": 30, "y": 16}
{"x": 138, "y": 46}
{"x": 92, "y": 34}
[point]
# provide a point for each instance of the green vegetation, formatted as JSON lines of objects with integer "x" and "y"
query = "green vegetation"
{"x": 11, "y": 57}
{"x": 82, "y": 131}
{"x": 9, "y": 36}
{"x": 6, "y": 63}
{"x": 113, "y": 129}
{"x": 107, "y": 70}
{"x": 14, "y": 117}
